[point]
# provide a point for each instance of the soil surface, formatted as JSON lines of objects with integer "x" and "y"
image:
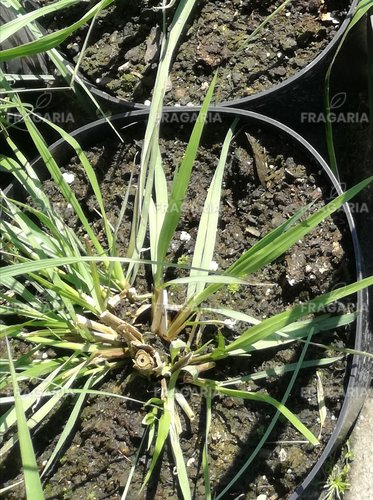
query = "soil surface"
{"x": 254, "y": 201}
{"x": 123, "y": 48}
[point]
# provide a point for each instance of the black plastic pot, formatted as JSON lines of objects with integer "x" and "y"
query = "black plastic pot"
{"x": 360, "y": 369}
{"x": 293, "y": 88}
{"x": 288, "y": 90}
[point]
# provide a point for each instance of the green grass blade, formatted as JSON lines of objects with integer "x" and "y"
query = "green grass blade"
{"x": 289, "y": 333}
{"x": 63, "y": 67}
{"x": 254, "y": 259}
{"x": 34, "y": 186}
{"x": 58, "y": 178}
{"x": 264, "y": 398}
{"x": 64, "y": 290}
{"x": 164, "y": 426}
{"x": 102, "y": 393}
{"x": 48, "y": 41}
{"x": 162, "y": 435}
{"x": 264, "y": 24}
{"x": 42, "y": 245}
{"x": 93, "y": 181}
{"x": 8, "y": 419}
{"x": 205, "y": 452}
{"x": 207, "y": 229}
{"x": 182, "y": 474}
{"x": 44, "y": 410}
{"x": 83, "y": 48}
{"x": 23, "y": 21}
{"x": 35, "y": 371}
{"x": 212, "y": 278}
{"x": 13, "y": 270}
{"x": 22, "y": 291}
{"x": 272, "y": 423}
{"x": 24, "y": 173}
{"x": 181, "y": 182}
{"x": 34, "y": 490}
{"x": 134, "y": 465}
{"x": 65, "y": 300}
{"x": 279, "y": 371}
{"x": 157, "y": 208}
{"x": 30, "y": 233}
{"x": 70, "y": 424}
{"x": 279, "y": 321}
{"x": 151, "y": 139}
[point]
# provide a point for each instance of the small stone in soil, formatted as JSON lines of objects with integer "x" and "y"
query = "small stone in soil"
{"x": 69, "y": 177}
{"x": 288, "y": 44}
{"x": 253, "y": 231}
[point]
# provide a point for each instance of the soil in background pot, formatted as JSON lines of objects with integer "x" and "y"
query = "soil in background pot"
{"x": 123, "y": 49}
{"x": 109, "y": 431}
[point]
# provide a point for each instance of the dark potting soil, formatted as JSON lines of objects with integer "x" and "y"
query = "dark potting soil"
{"x": 98, "y": 461}
{"x": 123, "y": 47}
